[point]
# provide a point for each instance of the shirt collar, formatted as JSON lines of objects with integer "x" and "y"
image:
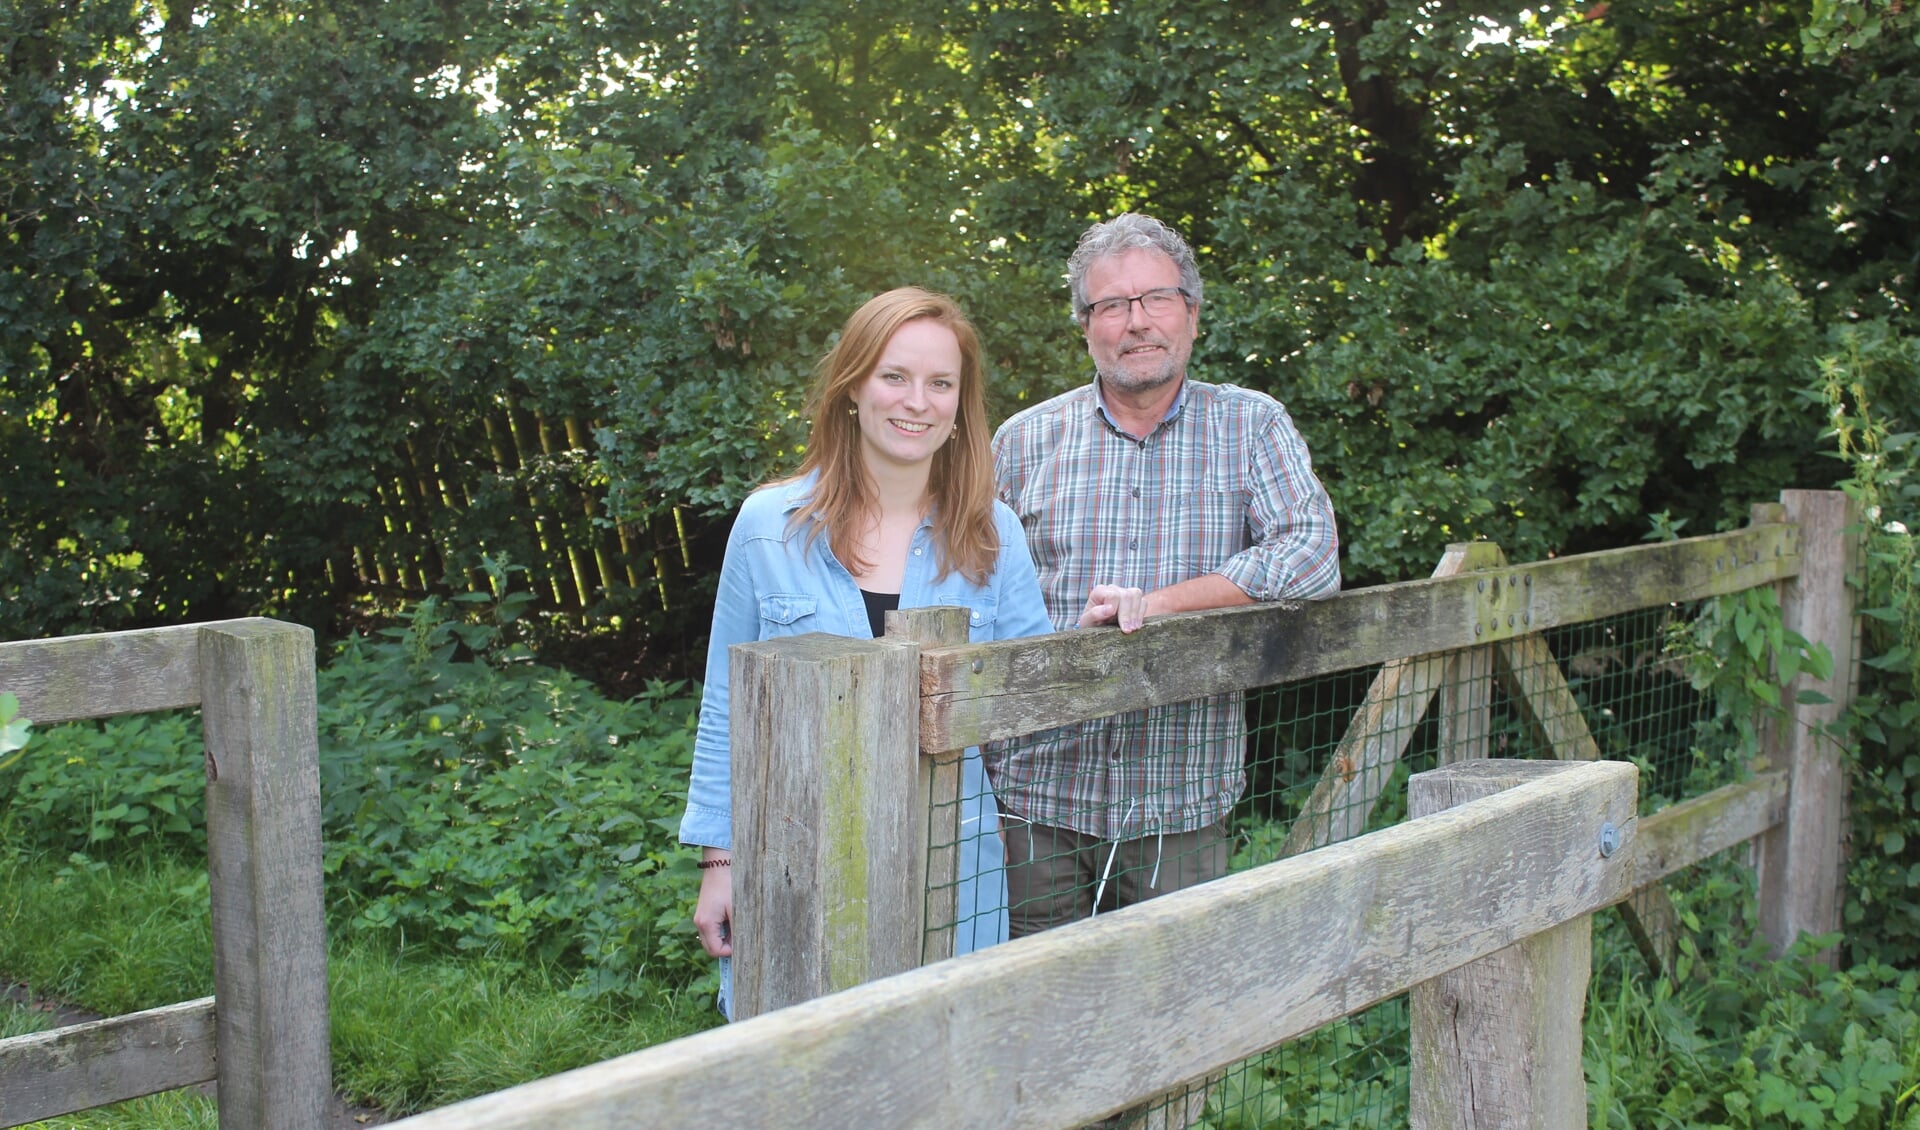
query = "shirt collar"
{"x": 803, "y": 490}
{"x": 1173, "y": 410}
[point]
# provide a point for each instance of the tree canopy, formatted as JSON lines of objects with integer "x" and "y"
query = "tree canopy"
{"x": 302, "y": 304}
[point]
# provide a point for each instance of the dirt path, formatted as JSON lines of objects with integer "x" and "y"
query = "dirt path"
{"x": 341, "y": 1114}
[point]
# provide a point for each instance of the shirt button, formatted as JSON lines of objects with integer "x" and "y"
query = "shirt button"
{"x": 1136, "y": 492}
{"x": 916, "y": 553}
{"x": 976, "y": 616}
{"x": 1134, "y": 544}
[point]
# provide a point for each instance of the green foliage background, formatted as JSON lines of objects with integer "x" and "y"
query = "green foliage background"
{"x": 351, "y": 297}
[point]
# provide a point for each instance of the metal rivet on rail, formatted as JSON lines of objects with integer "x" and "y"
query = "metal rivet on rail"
{"x": 1609, "y": 839}
{"x": 1476, "y": 629}
{"x": 1509, "y": 621}
{"x": 1482, "y": 586}
{"x": 1526, "y": 617}
{"x": 979, "y": 665}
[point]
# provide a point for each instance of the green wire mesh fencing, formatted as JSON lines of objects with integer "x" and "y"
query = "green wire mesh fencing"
{"x": 1286, "y": 768}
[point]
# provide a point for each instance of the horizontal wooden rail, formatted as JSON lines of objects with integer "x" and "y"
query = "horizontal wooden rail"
{"x": 1131, "y": 1003}
{"x": 985, "y": 692}
{"x": 1683, "y": 834}
{"x": 96, "y": 676}
{"x": 48, "y": 1074}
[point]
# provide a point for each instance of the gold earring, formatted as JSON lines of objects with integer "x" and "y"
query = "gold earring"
{"x": 853, "y": 410}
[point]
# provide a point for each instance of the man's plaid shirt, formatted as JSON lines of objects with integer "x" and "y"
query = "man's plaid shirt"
{"x": 1223, "y": 485}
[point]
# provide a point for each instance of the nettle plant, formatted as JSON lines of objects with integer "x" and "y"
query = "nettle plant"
{"x": 481, "y": 801}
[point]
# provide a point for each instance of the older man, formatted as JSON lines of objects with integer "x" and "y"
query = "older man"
{"x": 1145, "y": 493}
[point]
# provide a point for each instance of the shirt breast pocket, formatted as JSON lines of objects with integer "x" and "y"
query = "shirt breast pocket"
{"x": 981, "y": 617}
{"x": 788, "y": 614}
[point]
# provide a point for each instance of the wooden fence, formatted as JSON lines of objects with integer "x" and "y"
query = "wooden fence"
{"x": 519, "y": 484}
{"x": 842, "y": 748}
{"x": 262, "y": 1037}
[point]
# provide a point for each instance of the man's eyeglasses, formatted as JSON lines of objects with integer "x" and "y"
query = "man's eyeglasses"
{"x": 1155, "y": 303}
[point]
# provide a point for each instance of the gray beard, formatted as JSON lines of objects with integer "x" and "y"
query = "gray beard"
{"x": 1136, "y": 382}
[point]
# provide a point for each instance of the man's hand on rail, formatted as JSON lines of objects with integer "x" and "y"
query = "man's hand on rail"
{"x": 1115, "y": 604}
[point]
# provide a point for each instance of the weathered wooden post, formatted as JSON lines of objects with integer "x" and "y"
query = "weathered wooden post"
{"x": 1466, "y": 695}
{"x": 257, "y": 704}
{"x": 1802, "y": 862}
{"x": 1496, "y": 1042}
{"x": 937, "y": 848}
{"x": 826, "y": 883}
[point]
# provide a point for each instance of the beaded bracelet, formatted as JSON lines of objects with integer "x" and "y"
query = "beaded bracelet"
{"x": 706, "y": 863}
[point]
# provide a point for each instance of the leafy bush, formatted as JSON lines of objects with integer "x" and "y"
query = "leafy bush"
{"x": 1737, "y": 1040}
{"x": 111, "y": 787}
{"x": 494, "y": 804}
{"x": 473, "y": 799}
{"x": 1547, "y": 374}
{"x": 1868, "y": 368}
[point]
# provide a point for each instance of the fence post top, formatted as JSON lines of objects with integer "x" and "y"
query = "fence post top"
{"x": 813, "y": 646}
{"x": 1477, "y": 778}
{"x": 255, "y": 627}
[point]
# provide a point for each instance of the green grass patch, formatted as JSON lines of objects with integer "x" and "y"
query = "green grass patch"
{"x": 112, "y": 937}
{"x": 414, "y": 1032}
{"x": 412, "y": 1028}
{"x": 19, "y": 1020}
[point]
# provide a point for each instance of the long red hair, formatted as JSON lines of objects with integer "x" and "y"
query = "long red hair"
{"x": 961, "y": 479}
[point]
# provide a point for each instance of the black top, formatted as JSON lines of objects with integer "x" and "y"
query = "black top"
{"x": 878, "y": 605}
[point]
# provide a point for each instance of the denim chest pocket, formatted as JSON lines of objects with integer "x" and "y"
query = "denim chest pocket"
{"x": 981, "y": 614}
{"x": 788, "y": 614}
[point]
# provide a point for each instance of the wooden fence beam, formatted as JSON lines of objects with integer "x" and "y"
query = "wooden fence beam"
{"x": 1803, "y": 862}
{"x": 48, "y": 1074}
{"x": 826, "y": 888}
{"x": 107, "y": 673}
{"x": 1497, "y": 1042}
{"x": 1681, "y": 835}
{"x": 989, "y": 691}
{"x": 263, "y": 860}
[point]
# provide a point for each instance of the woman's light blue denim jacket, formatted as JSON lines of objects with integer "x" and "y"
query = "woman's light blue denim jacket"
{"x": 776, "y": 583}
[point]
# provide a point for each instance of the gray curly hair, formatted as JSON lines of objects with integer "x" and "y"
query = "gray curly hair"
{"x": 1127, "y": 232}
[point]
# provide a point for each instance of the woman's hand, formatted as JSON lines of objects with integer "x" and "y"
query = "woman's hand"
{"x": 1115, "y": 604}
{"x": 713, "y": 915}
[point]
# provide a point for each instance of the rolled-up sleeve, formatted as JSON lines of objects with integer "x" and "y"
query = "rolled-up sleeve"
{"x": 1295, "y": 553}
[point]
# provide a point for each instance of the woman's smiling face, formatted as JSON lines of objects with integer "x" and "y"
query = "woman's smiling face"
{"x": 909, "y": 403}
